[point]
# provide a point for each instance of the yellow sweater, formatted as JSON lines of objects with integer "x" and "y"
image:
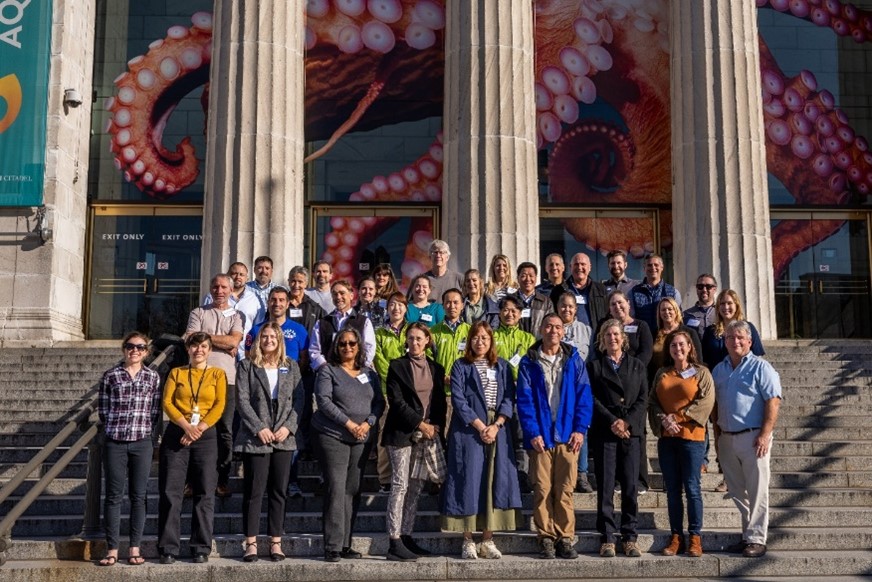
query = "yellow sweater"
{"x": 178, "y": 398}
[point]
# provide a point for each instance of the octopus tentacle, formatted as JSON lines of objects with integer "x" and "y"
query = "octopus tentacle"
{"x": 845, "y": 19}
{"x": 146, "y": 96}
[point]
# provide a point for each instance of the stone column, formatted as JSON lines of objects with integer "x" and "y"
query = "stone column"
{"x": 720, "y": 195}
{"x": 490, "y": 199}
{"x": 254, "y": 165}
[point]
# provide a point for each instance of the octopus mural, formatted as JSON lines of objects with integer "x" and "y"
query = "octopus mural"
{"x": 601, "y": 96}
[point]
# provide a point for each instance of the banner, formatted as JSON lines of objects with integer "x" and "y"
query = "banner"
{"x": 25, "y": 51}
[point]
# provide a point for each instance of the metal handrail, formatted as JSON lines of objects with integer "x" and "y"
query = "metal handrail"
{"x": 87, "y": 420}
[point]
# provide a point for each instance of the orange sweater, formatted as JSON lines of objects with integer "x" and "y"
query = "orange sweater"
{"x": 178, "y": 398}
{"x": 676, "y": 395}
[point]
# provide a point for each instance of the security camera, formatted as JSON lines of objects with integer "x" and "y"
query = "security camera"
{"x": 72, "y": 98}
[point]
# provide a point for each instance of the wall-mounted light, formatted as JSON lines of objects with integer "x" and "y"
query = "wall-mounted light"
{"x": 72, "y": 98}
{"x": 43, "y": 225}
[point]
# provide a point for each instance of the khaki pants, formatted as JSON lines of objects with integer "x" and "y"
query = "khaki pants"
{"x": 553, "y": 473}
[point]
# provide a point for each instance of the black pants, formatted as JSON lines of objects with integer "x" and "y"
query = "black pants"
{"x": 616, "y": 458}
{"x": 128, "y": 462}
{"x": 342, "y": 465}
{"x": 265, "y": 473}
{"x": 196, "y": 465}
{"x": 224, "y": 428}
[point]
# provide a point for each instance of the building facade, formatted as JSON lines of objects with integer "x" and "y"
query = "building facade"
{"x": 727, "y": 136}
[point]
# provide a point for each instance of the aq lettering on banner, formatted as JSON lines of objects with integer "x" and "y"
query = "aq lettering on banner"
{"x": 25, "y": 51}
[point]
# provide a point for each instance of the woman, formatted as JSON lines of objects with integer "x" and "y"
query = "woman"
{"x": 269, "y": 401}
{"x": 194, "y": 401}
{"x": 729, "y": 309}
{"x": 415, "y": 418}
{"x": 478, "y": 306}
{"x": 638, "y": 333}
{"x": 420, "y": 307}
{"x": 500, "y": 280}
{"x": 668, "y": 320}
{"x": 385, "y": 283}
{"x": 481, "y": 490}
{"x": 620, "y": 397}
{"x": 368, "y": 304}
{"x": 129, "y": 409}
{"x": 577, "y": 334}
{"x": 680, "y": 405}
{"x": 350, "y": 401}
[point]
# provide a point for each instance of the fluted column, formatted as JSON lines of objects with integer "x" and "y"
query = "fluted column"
{"x": 490, "y": 178}
{"x": 720, "y": 196}
{"x": 254, "y": 183}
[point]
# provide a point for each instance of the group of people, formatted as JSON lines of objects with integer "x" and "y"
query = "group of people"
{"x": 487, "y": 388}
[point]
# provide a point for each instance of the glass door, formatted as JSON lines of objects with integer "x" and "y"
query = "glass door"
{"x": 355, "y": 238}
{"x": 144, "y": 269}
{"x": 822, "y": 281}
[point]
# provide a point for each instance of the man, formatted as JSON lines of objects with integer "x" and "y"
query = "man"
{"x": 224, "y": 324}
{"x": 554, "y": 407}
{"x": 262, "y": 284}
{"x": 441, "y": 277}
{"x": 449, "y": 335}
{"x": 243, "y": 299}
{"x": 341, "y": 317}
{"x": 618, "y": 269}
{"x": 748, "y": 393}
{"x": 704, "y": 312}
{"x": 320, "y": 293}
{"x": 534, "y": 305}
{"x": 296, "y": 337}
{"x": 302, "y": 308}
{"x": 554, "y": 268}
{"x": 645, "y": 296}
{"x": 590, "y": 295}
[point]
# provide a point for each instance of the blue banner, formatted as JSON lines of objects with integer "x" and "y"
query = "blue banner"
{"x": 25, "y": 56}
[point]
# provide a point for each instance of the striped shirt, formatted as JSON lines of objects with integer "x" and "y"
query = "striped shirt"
{"x": 129, "y": 408}
{"x": 489, "y": 384}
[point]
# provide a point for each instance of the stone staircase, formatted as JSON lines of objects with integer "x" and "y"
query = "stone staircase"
{"x": 820, "y": 518}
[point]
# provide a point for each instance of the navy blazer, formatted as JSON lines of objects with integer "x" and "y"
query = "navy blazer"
{"x": 622, "y": 394}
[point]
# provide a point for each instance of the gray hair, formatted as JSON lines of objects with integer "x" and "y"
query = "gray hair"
{"x": 299, "y": 270}
{"x": 439, "y": 245}
{"x": 738, "y": 325}
{"x": 221, "y": 276}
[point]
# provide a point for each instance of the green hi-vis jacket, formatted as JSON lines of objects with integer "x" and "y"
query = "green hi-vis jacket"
{"x": 512, "y": 345}
{"x": 388, "y": 347}
{"x": 448, "y": 346}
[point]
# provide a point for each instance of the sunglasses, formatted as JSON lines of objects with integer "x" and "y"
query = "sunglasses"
{"x": 702, "y": 286}
{"x": 347, "y": 344}
{"x": 137, "y": 347}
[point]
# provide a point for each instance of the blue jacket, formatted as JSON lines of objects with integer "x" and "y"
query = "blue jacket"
{"x": 466, "y": 455}
{"x": 534, "y": 410}
{"x": 644, "y": 300}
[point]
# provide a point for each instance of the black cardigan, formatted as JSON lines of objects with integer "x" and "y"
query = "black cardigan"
{"x": 621, "y": 395}
{"x": 405, "y": 410}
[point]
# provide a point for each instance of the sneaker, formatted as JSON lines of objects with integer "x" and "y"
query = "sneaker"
{"x": 546, "y": 549}
{"x": 642, "y": 490}
{"x": 721, "y": 487}
{"x": 488, "y": 550}
{"x": 565, "y": 550}
{"x": 607, "y": 550}
{"x": 294, "y": 491}
{"x": 582, "y": 485}
{"x": 631, "y": 550}
{"x": 468, "y": 551}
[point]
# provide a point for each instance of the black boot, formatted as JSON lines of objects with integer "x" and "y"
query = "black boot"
{"x": 413, "y": 546}
{"x": 398, "y": 552}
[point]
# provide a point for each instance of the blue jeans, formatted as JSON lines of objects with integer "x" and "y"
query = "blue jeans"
{"x": 680, "y": 461}
{"x": 131, "y": 462}
{"x": 583, "y": 455}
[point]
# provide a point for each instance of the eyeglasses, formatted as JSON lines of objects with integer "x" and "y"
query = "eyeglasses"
{"x": 438, "y": 252}
{"x": 703, "y": 286}
{"x": 138, "y": 347}
{"x": 347, "y": 344}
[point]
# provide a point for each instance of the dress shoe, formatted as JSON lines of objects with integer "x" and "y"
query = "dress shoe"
{"x": 412, "y": 545}
{"x": 754, "y": 551}
{"x": 332, "y": 556}
{"x": 694, "y": 549}
{"x": 200, "y": 558}
{"x": 167, "y": 559}
{"x": 223, "y": 491}
{"x": 350, "y": 554}
{"x": 675, "y": 546}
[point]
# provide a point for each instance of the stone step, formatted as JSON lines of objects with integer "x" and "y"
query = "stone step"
{"x": 807, "y": 464}
{"x": 790, "y": 420}
{"x": 807, "y": 448}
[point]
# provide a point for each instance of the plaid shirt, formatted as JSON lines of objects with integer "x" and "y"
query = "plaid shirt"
{"x": 129, "y": 407}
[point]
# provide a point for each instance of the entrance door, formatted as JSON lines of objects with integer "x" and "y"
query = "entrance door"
{"x": 144, "y": 269}
{"x": 824, "y": 290}
{"x": 354, "y": 238}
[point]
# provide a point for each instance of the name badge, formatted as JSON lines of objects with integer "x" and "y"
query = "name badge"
{"x": 382, "y": 303}
{"x": 363, "y": 378}
{"x": 228, "y": 312}
{"x": 491, "y": 374}
{"x": 511, "y": 290}
{"x": 516, "y": 359}
{"x": 195, "y": 419}
{"x": 580, "y": 300}
{"x": 631, "y": 328}
{"x": 689, "y": 373}
{"x": 461, "y": 346}
{"x": 692, "y": 322}
{"x": 426, "y": 317}
{"x": 296, "y": 312}
{"x": 283, "y": 370}
{"x": 525, "y": 312}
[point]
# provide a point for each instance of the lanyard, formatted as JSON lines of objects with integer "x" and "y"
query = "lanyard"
{"x": 195, "y": 396}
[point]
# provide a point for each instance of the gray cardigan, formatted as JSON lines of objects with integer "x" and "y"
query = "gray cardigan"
{"x": 255, "y": 408}
{"x": 339, "y": 397}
